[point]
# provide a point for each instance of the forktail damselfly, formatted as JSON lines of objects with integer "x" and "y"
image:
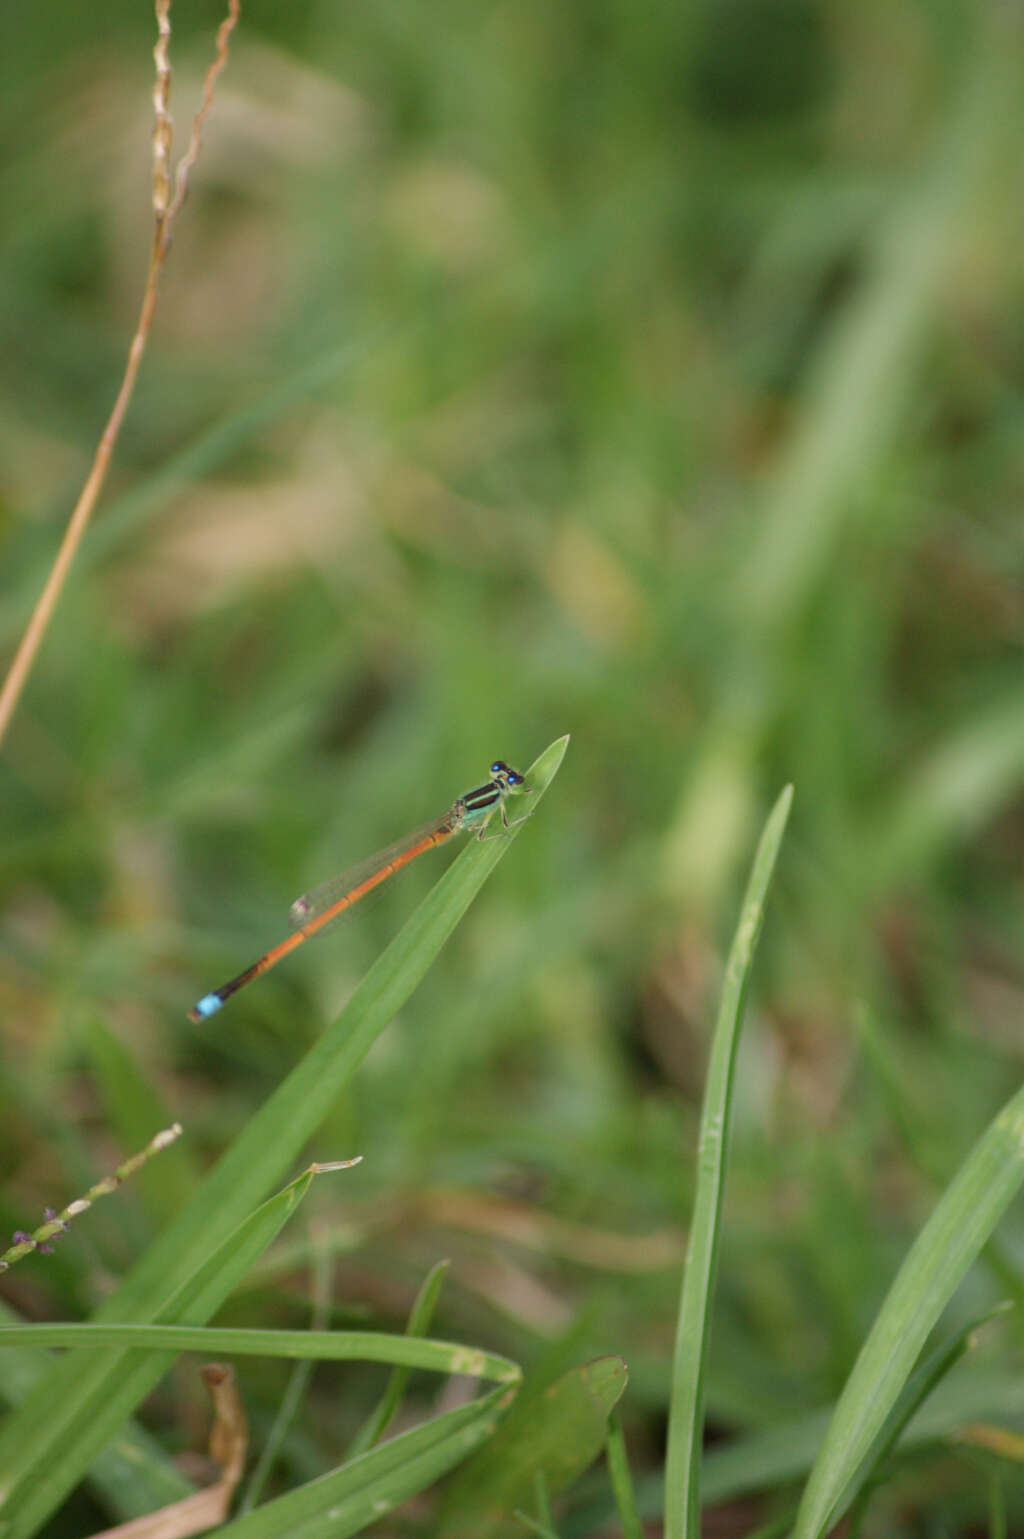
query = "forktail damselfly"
{"x": 319, "y": 908}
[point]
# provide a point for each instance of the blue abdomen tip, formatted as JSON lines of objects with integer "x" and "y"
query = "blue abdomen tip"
{"x": 208, "y": 1005}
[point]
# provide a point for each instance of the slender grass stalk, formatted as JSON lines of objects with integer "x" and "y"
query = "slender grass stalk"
{"x": 543, "y": 1526}
{"x": 57, "y": 1223}
{"x": 165, "y": 210}
{"x": 420, "y": 1316}
{"x": 542, "y": 1503}
{"x": 622, "y": 1480}
{"x": 996, "y": 1508}
{"x": 686, "y": 1411}
{"x": 298, "y": 1381}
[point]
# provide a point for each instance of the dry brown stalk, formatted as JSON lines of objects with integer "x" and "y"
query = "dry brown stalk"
{"x": 229, "y": 1439}
{"x": 165, "y": 213}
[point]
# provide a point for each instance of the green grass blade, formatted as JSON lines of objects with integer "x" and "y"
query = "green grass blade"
{"x": 996, "y": 1509}
{"x": 783, "y": 1453}
{"x": 133, "y": 1109}
{"x": 919, "y": 1386}
{"x": 273, "y": 1138}
{"x": 956, "y": 790}
{"x": 854, "y": 396}
{"x": 293, "y": 1113}
{"x": 622, "y": 1480}
{"x": 775, "y": 1529}
{"x": 211, "y": 447}
{"x": 686, "y": 1414}
{"x": 298, "y": 1381}
{"x": 556, "y": 1434}
{"x": 406, "y": 1352}
{"x": 946, "y": 1248}
{"x": 75, "y": 1411}
{"x": 531, "y": 1525}
{"x": 542, "y": 1499}
{"x": 544, "y": 1523}
{"x": 420, "y": 1317}
{"x": 369, "y": 1487}
{"x": 133, "y": 1475}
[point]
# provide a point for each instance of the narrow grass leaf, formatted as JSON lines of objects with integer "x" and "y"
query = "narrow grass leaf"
{"x": 622, "y": 1480}
{"x": 133, "y": 1111}
{"x": 267, "y": 1146}
{"x": 764, "y": 1460}
{"x": 543, "y": 1526}
{"x": 48, "y": 1450}
{"x": 545, "y": 1519}
{"x": 133, "y": 1475}
{"x": 946, "y": 1248}
{"x": 531, "y": 1526}
{"x": 958, "y": 789}
{"x": 686, "y": 1413}
{"x": 783, "y": 1453}
{"x": 854, "y": 395}
{"x": 289, "y": 1118}
{"x": 322, "y": 1281}
{"x": 556, "y": 1434}
{"x": 211, "y": 447}
{"x": 420, "y": 1317}
{"x": 407, "y": 1352}
{"x": 919, "y": 1386}
{"x": 996, "y": 1508}
{"x": 775, "y": 1529}
{"x": 371, "y": 1486}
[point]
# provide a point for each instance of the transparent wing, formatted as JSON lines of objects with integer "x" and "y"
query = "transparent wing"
{"x": 360, "y": 879}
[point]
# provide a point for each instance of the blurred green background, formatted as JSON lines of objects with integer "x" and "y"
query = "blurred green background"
{"x": 655, "y": 375}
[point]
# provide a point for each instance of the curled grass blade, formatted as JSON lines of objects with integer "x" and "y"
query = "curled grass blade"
{"x": 686, "y": 1413}
{"x": 406, "y": 1352}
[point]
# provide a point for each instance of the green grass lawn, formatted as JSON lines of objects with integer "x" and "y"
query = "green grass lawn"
{"x": 651, "y": 376}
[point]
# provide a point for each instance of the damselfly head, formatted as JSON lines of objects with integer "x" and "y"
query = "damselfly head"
{"x": 507, "y": 777}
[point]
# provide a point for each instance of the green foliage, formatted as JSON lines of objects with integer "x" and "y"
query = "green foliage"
{"x": 516, "y": 370}
{"x": 550, "y": 1436}
{"x": 686, "y": 1414}
{"x": 349, "y": 1499}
